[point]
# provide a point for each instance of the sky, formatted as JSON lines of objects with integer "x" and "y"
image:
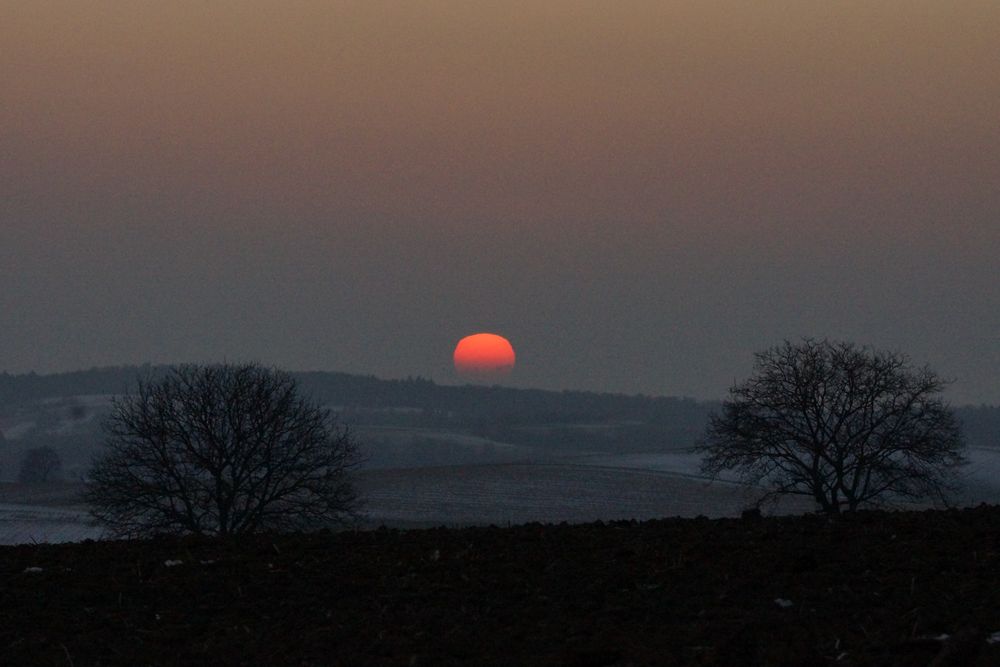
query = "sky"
{"x": 639, "y": 195}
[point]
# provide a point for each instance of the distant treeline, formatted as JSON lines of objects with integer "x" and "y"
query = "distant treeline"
{"x": 520, "y": 416}
{"x": 113, "y": 380}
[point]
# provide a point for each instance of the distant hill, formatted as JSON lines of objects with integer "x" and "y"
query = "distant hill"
{"x": 529, "y": 417}
{"x": 369, "y": 392}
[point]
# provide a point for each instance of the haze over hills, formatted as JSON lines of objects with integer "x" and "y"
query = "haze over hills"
{"x": 570, "y": 418}
{"x": 439, "y": 454}
{"x": 408, "y": 422}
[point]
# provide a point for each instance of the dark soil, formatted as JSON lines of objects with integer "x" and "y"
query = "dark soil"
{"x": 871, "y": 589}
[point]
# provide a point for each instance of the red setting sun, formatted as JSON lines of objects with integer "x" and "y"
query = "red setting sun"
{"x": 484, "y": 357}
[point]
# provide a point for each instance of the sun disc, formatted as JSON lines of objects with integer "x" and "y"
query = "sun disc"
{"x": 484, "y": 357}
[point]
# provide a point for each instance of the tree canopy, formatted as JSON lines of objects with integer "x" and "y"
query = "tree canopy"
{"x": 846, "y": 425}
{"x": 221, "y": 449}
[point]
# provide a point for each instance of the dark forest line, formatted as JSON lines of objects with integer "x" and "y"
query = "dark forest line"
{"x": 500, "y": 413}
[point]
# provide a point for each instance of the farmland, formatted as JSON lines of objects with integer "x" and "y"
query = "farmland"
{"x": 497, "y": 494}
{"x": 440, "y": 455}
{"x": 898, "y": 589}
{"x": 576, "y": 490}
{"x": 519, "y": 493}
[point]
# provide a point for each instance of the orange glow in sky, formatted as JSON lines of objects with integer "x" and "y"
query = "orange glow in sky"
{"x": 670, "y": 185}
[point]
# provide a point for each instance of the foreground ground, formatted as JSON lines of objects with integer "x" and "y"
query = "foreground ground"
{"x": 914, "y": 588}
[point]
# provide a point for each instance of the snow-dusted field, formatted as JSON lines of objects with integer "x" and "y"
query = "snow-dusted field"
{"x": 680, "y": 462}
{"x": 519, "y": 493}
{"x": 25, "y": 524}
{"x": 408, "y": 447}
{"x": 590, "y": 487}
{"x": 982, "y": 476}
{"x": 576, "y": 489}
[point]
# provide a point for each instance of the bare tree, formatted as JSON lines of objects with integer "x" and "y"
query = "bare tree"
{"x": 845, "y": 425}
{"x": 39, "y": 465}
{"x": 221, "y": 449}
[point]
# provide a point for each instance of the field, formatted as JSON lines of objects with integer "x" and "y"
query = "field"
{"x": 521, "y": 575}
{"x": 416, "y": 476}
{"x": 26, "y": 524}
{"x": 890, "y": 589}
{"x": 576, "y": 490}
{"x": 552, "y": 493}
{"x": 583, "y": 458}
{"x": 499, "y": 494}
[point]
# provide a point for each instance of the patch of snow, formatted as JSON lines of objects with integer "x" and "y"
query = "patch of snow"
{"x": 520, "y": 493}
{"x": 32, "y": 569}
{"x": 31, "y": 524}
{"x": 994, "y": 638}
{"x": 783, "y": 603}
{"x": 172, "y": 563}
{"x": 682, "y": 462}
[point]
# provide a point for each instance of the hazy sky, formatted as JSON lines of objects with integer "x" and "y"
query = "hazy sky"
{"x": 637, "y": 194}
